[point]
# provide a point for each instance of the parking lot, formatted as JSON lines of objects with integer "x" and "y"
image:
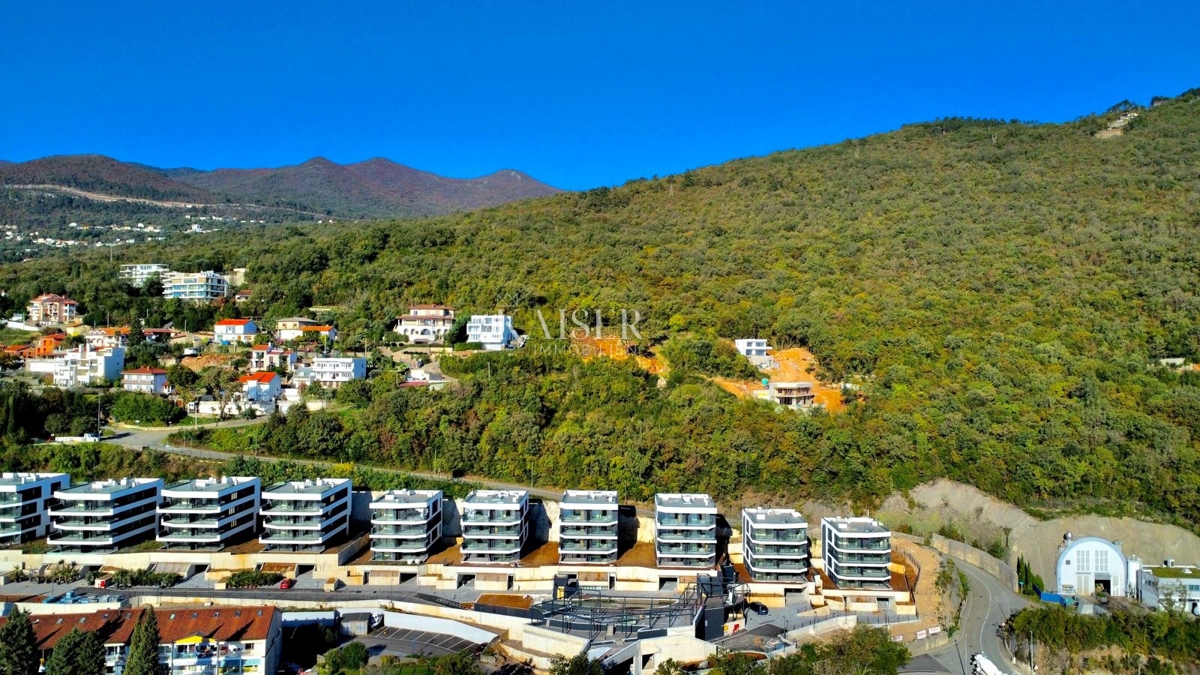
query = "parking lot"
{"x": 405, "y": 642}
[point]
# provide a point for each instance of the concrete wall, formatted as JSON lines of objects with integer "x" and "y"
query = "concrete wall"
{"x": 997, "y": 568}
{"x": 552, "y": 642}
{"x": 436, "y": 625}
{"x": 680, "y": 648}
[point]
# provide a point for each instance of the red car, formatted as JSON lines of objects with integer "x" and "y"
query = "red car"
{"x": 287, "y": 583}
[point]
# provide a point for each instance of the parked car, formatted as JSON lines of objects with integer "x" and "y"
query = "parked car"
{"x": 758, "y": 608}
{"x": 287, "y": 583}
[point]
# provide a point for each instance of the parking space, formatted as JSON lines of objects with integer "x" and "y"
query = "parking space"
{"x": 405, "y": 642}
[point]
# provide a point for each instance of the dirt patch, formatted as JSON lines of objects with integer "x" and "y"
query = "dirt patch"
{"x": 198, "y": 363}
{"x": 791, "y": 365}
{"x": 616, "y": 348}
{"x": 505, "y": 600}
{"x": 640, "y": 554}
{"x": 544, "y": 554}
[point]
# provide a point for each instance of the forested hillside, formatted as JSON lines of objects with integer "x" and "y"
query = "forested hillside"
{"x": 1000, "y": 291}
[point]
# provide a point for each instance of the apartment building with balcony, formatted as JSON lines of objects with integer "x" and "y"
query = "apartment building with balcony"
{"x": 208, "y": 513}
{"x": 856, "y": 552}
{"x": 587, "y": 531}
{"x": 84, "y": 366}
{"x": 425, "y": 323}
{"x": 775, "y": 545}
{"x": 305, "y": 515}
{"x": 51, "y": 308}
{"x": 25, "y": 500}
{"x": 332, "y": 372}
{"x": 493, "y": 331}
{"x": 685, "y": 530}
{"x": 137, "y": 275}
{"x": 405, "y": 524}
{"x": 494, "y": 526}
{"x": 105, "y": 515}
{"x": 145, "y": 380}
{"x": 194, "y": 286}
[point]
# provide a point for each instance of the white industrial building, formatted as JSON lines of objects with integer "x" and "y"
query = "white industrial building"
{"x": 685, "y": 530}
{"x": 1090, "y": 564}
{"x": 105, "y": 515}
{"x": 305, "y": 515}
{"x": 208, "y": 513}
{"x": 25, "y": 500}
{"x": 405, "y": 524}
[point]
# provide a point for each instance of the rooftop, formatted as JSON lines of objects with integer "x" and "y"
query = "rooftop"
{"x": 297, "y": 319}
{"x": 590, "y": 498}
{"x": 775, "y": 516}
{"x": 108, "y": 487}
{"x": 145, "y": 370}
{"x": 674, "y": 500}
{"x": 406, "y": 497}
{"x": 1175, "y": 572}
{"x": 264, "y": 377}
{"x": 497, "y": 497}
{"x": 115, "y": 626}
{"x": 19, "y": 479}
{"x": 209, "y": 484}
{"x": 305, "y": 487}
{"x": 232, "y": 322}
{"x": 856, "y": 525}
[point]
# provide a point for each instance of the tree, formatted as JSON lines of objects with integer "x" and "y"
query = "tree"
{"x": 462, "y": 663}
{"x": 354, "y": 656}
{"x": 77, "y": 653}
{"x": 18, "y": 646}
{"x": 143, "y": 646}
{"x": 579, "y": 664}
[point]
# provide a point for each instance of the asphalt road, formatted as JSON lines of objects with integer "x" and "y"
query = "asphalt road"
{"x": 988, "y": 605}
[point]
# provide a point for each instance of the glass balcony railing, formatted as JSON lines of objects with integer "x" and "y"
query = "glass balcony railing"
{"x": 196, "y": 535}
{"x": 875, "y": 544}
{"x": 598, "y": 531}
{"x": 292, "y": 521}
{"x": 399, "y": 516}
{"x": 599, "y": 517}
{"x": 471, "y": 516}
{"x": 484, "y": 531}
{"x": 861, "y": 558}
{"x": 489, "y": 545}
{"x": 688, "y": 521}
{"x": 190, "y": 505}
{"x": 394, "y": 530}
{"x": 766, "y": 549}
{"x": 291, "y": 535}
{"x": 600, "y": 545}
{"x": 279, "y": 505}
{"x": 686, "y": 535}
{"x": 778, "y": 535}
{"x": 772, "y": 564}
{"x": 399, "y": 545}
{"x": 689, "y": 550}
{"x": 861, "y": 572}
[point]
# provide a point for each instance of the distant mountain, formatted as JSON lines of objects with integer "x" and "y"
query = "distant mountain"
{"x": 104, "y": 176}
{"x": 374, "y": 188}
{"x": 4, "y": 162}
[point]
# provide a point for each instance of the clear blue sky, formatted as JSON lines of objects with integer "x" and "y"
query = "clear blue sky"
{"x": 577, "y": 93}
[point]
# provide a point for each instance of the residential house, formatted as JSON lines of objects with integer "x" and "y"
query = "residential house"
{"x": 856, "y": 552}
{"x": 405, "y": 524}
{"x": 261, "y": 387}
{"x": 25, "y": 500}
{"x": 45, "y": 345}
{"x": 51, "y": 308}
{"x": 192, "y": 640}
{"x": 271, "y": 357}
{"x": 244, "y": 295}
{"x": 292, "y": 328}
{"x": 332, "y": 372}
{"x": 84, "y": 366}
{"x": 101, "y": 338}
{"x": 208, "y": 513}
{"x": 195, "y": 286}
{"x": 685, "y": 530}
{"x": 493, "y": 331}
{"x": 230, "y": 331}
{"x": 426, "y": 323}
{"x": 305, "y": 515}
{"x": 756, "y": 350}
{"x": 104, "y": 515}
{"x": 146, "y": 380}
{"x": 494, "y": 524}
{"x": 323, "y": 333}
{"x": 794, "y": 395}
{"x": 587, "y": 531}
{"x": 138, "y": 275}
{"x": 775, "y": 545}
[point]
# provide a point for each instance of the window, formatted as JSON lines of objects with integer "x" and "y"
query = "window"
{"x": 1084, "y": 559}
{"x": 1101, "y": 561}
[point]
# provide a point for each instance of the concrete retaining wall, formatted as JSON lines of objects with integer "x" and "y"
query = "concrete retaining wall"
{"x": 435, "y": 625}
{"x": 996, "y": 568}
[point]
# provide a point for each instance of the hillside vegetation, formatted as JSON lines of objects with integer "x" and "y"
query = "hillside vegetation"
{"x": 1000, "y": 291}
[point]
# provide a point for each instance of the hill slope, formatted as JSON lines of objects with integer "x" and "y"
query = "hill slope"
{"x": 97, "y": 173}
{"x": 1000, "y": 293}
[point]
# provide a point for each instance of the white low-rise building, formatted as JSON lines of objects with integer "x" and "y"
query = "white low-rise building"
{"x": 493, "y": 331}
{"x": 405, "y": 524}
{"x": 856, "y": 552}
{"x": 775, "y": 545}
{"x": 232, "y": 331}
{"x": 270, "y": 357}
{"x": 332, "y": 372}
{"x": 105, "y": 515}
{"x": 587, "y": 527}
{"x": 194, "y": 286}
{"x": 261, "y": 387}
{"x": 494, "y": 526}
{"x": 685, "y": 530}
{"x": 425, "y": 324}
{"x": 1170, "y": 586}
{"x": 292, "y": 327}
{"x": 208, "y": 513}
{"x": 84, "y": 366}
{"x": 1089, "y": 564}
{"x": 138, "y": 275}
{"x": 305, "y": 515}
{"x": 25, "y": 500}
{"x": 145, "y": 380}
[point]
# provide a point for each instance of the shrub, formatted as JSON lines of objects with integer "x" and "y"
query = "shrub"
{"x": 252, "y": 579}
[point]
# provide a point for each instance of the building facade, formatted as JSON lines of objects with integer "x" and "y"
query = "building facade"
{"x": 493, "y": 331}
{"x": 425, "y": 324}
{"x": 262, "y": 387}
{"x": 84, "y": 366}
{"x": 775, "y": 544}
{"x": 145, "y": 380}
{"x": 102, "y": 338}
{"x": 305, "y": 515}
{"x": 856, "y": 552}
{"x": 792, "y": 394}
{"x": 1170, "y": 586}
{"x": 208, "y": 513}
{"x": 495, "y": 524}
{"x": 232, "y": 331}
{"x": 332, "y": 372}
{"x": 292, "y": 327}
{"x": 1090, "y": 564}
{"x": 138, "y": 275}
{"x": 685, "y": 530}
{"x": 25, "y": 500}
{"x": 104, "y": 515}
{"x": 51, "y": 308}
{"x": 270, "y": 357}
{"x": 587, "y": 530}
{"x": 405, "y": 524}
{"x": 194, "y": 286}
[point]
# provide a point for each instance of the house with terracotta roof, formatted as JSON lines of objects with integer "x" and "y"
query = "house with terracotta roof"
{"x": 230, "y": 331}
{"x": 146, "y": 380}
{"x": 425, "y": 323}
{"x": 101, "y": 338}
{"x": 326, "y": 333}
{"x": 243, "y": 295}
{"x": 292, "y": 327}
{"x": 261, "y": 387}
{"x": 270, "y": 357}
{"x": 226, "y": 639}
{"x": 51, "y": 308}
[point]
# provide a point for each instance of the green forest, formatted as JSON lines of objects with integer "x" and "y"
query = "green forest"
{"x": 1000, "y": 292}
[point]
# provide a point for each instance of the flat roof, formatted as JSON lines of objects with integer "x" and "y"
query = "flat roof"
{"x": 676, "y": 500}
{"x": 856, "y": 525}
{"x": 590, "y": 498}
{"x": 209, "y": 484}
{"x": 19, "y": 479}
{"x": 497, "y": 497}
{"x": 108, "y": 487}
{"x": 306, "y": 487}
{"x": 1176, "y": 572}
{"x": 761, "y": 516}
{"x": 405, "y": 497}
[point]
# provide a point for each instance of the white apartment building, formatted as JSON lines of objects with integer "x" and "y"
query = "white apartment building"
{"x": 333, "y": 371}
{"x": 425, "y": 323}
{"x": 752, "y": 347}
{"x": 25, "y": 500}
{"x": 856, "y": 552}
{"x": 84, "y": 366}
{"x": 795, "y": 395}
{"x": 494, "y": 526}
{"x": 405, "y": 524}
{"x": 587, "y": 530}
{"x": 194, "y": 286}
{"x": 138, "y": 275}
{"x": 775, "y": 544}
{"x": 145, "y": 380}
{"x": 104, "y": 515}
{"x": 51, "y": 308}
{"x": 1170, "y": 586}
{"x": 685, "y": 530}
{"x": 493, "y": 331}
{"x": 232, "y": 331}
{"x": 101, "y": 338}
{"x": 270, "y": 357}
{"x": 208, "y": 513}
{"x": 305, "y": 515}
{"x": 263, "y": 387}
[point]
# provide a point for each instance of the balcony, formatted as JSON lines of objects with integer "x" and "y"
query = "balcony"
{"x": 399, "y": 545}
{"x": 768, "y": 536}
{"x": 685, "y": 562}
{"x": 771, "y": 564}
{"x": 181, "y": 521}
{"x": 82, "y": 523}
{"x": 598, "y": 517}
{"x": 485, "y": 531}
{"x": 400, "y": 516}
{"x": 872, "y": 544}
{"x": 687, "y": 521}
{"x": 391, "y": 530}
{"x": 292, "y": 521}
{"x": 93, "y": 537}
{"x": 491, "y": 545}
{"x": 768, "y": 550}
{"x": 599, "y": 531}
{"x": 83, "y": 507}
{"x": 687, "y": 550}
{"x": 473, "y": 516}
{"x": 598, "y": 546}
{"x": 189, "y": 505}
{"x": 860, "y": 572}
{"x": 861, "y": 558}
{"x": 285, "y": 536}
{"x": 687, "y": 535}
{"x": 189, "y": 535}
{"x": 288, "y": 506}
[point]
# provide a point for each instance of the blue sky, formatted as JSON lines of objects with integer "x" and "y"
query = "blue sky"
{"x": 578, "y": 94}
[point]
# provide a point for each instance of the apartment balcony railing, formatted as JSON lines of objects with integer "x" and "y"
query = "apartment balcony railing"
{"x": 399, "y": 545}
{"x": 599, "y": 517}
{"x": 601, "y": 546}
{"x": 286, "y": 521}
{"x": 766, "y": 549}
{"x": 599, "y": 531}
{"x": 177, "y": 521}
{"x": 205, "y": 535}
{"x": 10, "y": 498}
{"x": 277, "y": 505}
{"x": 773, "y": 564}
{"x": 861, "y": 572}
{"x": 291, "y": 535}
{"x": 484, "y": 531}
{"x": 861, "y": 544}
{"x": 79, "y": 536}
{"x": 778, "y": 535}
{"x": 862, "y": 558}
{"x": 399, "y": 516}
{"x": 695, "y": 521}
{"x": 689, "y": 550}
{"x": 490, "y": 545}
{"x": 491, "y": 516}
{"x": 83, "y": 522}
{"x": 686, "y": 535}
{"x": 190, "y": 505}
{"x": 392, "y": 530}
{"x": 685, "y": 562}
{"x": 83, "y": 507}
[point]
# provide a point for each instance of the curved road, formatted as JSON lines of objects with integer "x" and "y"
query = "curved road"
{"x": 988, "y": 605}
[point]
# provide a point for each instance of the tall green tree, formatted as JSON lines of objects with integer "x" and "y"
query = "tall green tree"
{"x": 579, "y": 664}
{"x": 143, "y": 646}
{"x": 77, "y": 653}
{"x": 18, "y": 646}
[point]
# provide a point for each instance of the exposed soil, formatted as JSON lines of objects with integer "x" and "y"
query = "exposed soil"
{"x": 793, "y": 365}
{"x": 613, "y": 348}
{"x": 505, "y": 600}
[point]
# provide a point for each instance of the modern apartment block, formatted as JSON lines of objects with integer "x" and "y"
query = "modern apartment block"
{"x": 425, "y": 323}
{"x": 25, "y": 500}
{"x": 792, "y": 394}
{"x": 405, "y": 524}
{"x": 587, "y": 531}
{"x": 197, "y": 286}
{"x": 332, "y": 372}
{"x": 493, "y": 331}
{"x": 138, "y": 275}
{"x": 84, "y": 366}
{"x": 856, "y": 552}
{"x": 305, "y": 515}
{"x": 494, "y": 526}
{"x": 775, "y": 545}
{"x": 104, "y": 515}
{"x": 685, "y": 530}
{"x": 208, "y": 513}
{"x": 51, "y": 308}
